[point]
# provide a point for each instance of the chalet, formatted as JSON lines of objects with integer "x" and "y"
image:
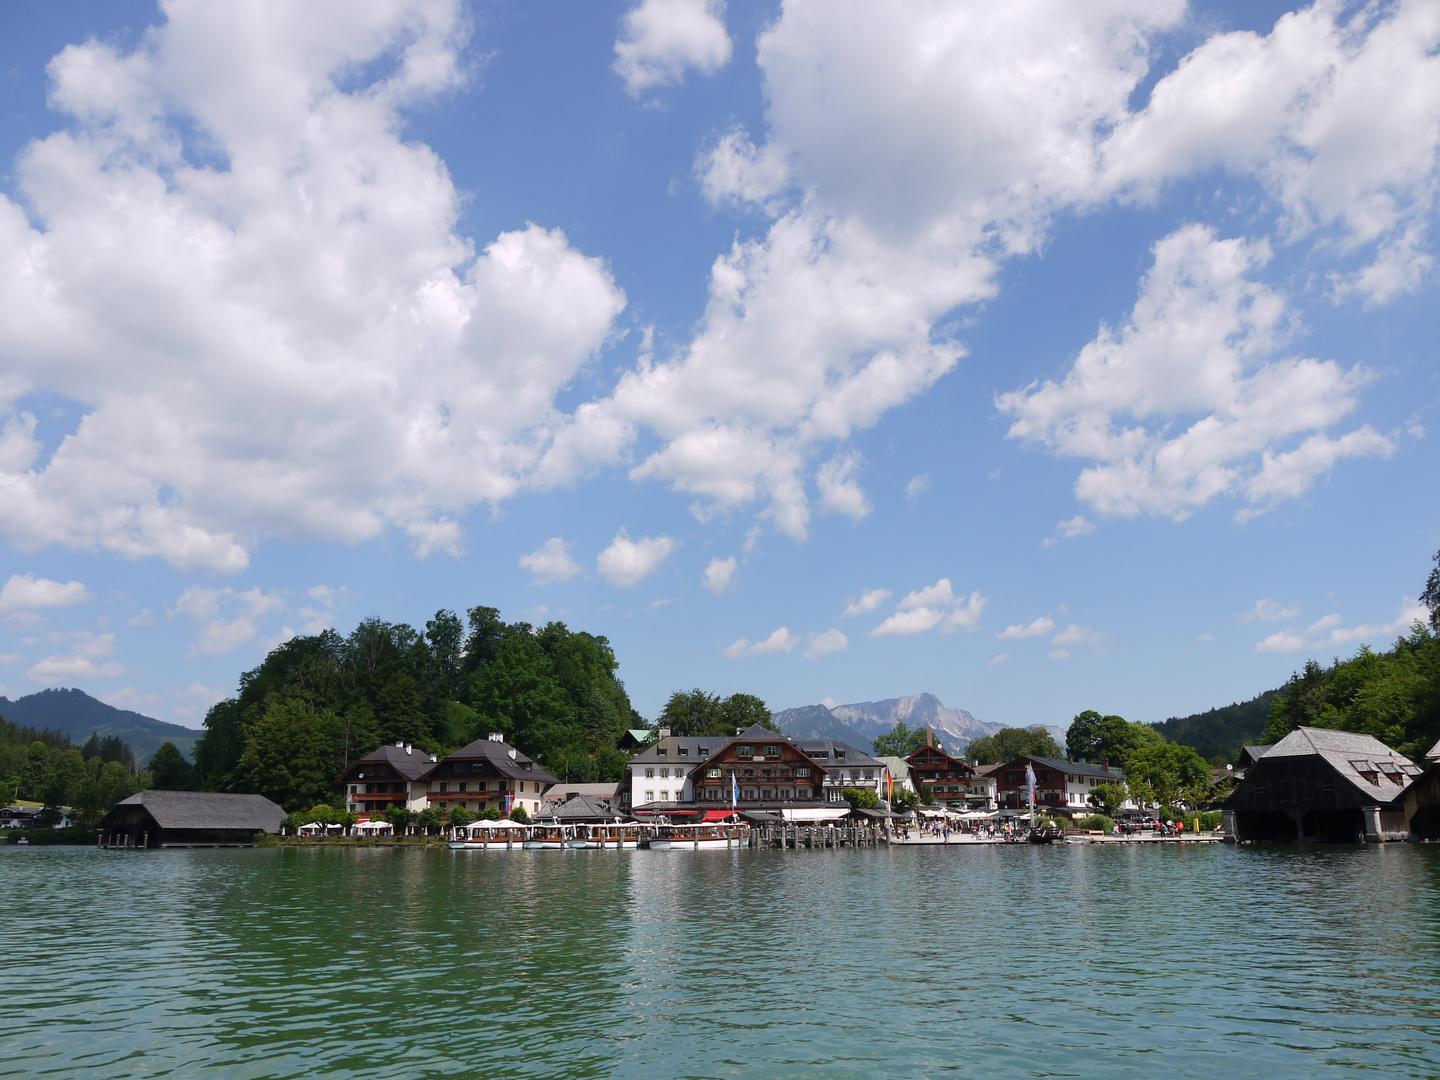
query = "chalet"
{"x": 389, "y": 776}
{"x": 1061, "y": 787}
{"x": 842, "y": 766}
{"x": 487, "y": 773}
{"x": 943, "y": 780}
{"x": 1422, "y": 800}
{"x": 164, "y": 819}
{"x": 1321, "y": 785}
{"x": 756, "y": 770}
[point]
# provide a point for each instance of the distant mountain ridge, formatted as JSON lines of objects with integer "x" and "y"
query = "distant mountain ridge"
{"x": 78, "y": 715}
{"x": 861, "y": 721}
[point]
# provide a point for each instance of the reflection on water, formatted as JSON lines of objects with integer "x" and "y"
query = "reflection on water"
{"x": 376, "y": 962}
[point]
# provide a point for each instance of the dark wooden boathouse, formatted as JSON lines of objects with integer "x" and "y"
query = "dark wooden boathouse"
{"x": 1322, "y": 786}
{"x": 162, "y": 819}
{"x": 1422, "y": 800}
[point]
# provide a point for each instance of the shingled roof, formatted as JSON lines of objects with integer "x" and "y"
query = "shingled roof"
{"x": 507, "y": 761}
{"x": 408, "y": 762}
{"x": 208, "y": 810}
{"x": 1381, "y": 773}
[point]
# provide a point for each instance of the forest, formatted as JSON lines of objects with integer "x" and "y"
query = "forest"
{"x": 48, "y": 768}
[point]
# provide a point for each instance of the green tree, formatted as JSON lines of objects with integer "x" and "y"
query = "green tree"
{"x": 860, "y": 798}
{"x": 1109, "y": 797}
{"x": 694, "y": 713}
{"x": 518, "y": 814}
{"x": 741, "y": 711}
{"x": 460, "y": 817}
{"x": 431, "y": 820}
{"x": 519, "y": 691}
{"x": 169, "y": 770}
{"x": 1092, "y": 737}
{"x": 1430, "y": 597}
{"x": 901, "y": 742}
{"x": 1168, "y": 774}
{"x": 1010, "y": 743}
{"x": 903, "y": 801}
{"x": 400, "y": 818}
{"x": 289, "y": 755}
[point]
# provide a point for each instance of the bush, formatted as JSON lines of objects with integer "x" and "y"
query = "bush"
{"x": 1210, "y": 819}
{"x": 1097, "y": 821}
{"x": 519, "y": 815}
{"x": 460, "y": 817}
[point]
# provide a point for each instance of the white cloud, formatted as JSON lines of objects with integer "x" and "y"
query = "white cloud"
{"x": 1281, "y": 641}
{"x": 1336, "y": 112}
{"x": 227, "y": 619}
{"x": 999, "y": 658}
{"x": 1074, "y": 634}
{"x": 935, "y": 605}
{"x": 661, "y": 39}
{"x": 719, "y": 574}
{"x": 1036, "y": 628}
{"x": 1059, "y": 654}
{"x": 869, "y": 600}
{"x": 1268, "y": 610}
{"x": 550, "y": 562}
{"x": 824, "y": 644}
{"x": 782, "y": 640}
{"x": 10, "y": 659}
{"x": 293, "y": 342}
{"x": 1068, "y": 530}
{"x": 1204, "y": 639}
{"x": 86, "y": 659}
{"x": 917, "y": 486}
{"x": 320, "y": 613}
{"x": 1411, "y": 612}
{"x": 838, "y": 489}
{"x": 1192, "y": 359}
{"x": 625, "y": 562}
{"x": 25, "y": 592}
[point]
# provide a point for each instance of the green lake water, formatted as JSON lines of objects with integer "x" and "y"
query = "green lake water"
{"x": 1106, "y": 962}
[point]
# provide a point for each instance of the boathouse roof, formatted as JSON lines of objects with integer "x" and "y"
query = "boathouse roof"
{"x": 1434, "y": 752}
{"x": 1363, "y": 760}
{"x": 207, "y": 810}
{"x": 1251, "y": 754}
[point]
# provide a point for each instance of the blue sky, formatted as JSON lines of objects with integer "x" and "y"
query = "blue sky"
{"x": 1043, "y": 358}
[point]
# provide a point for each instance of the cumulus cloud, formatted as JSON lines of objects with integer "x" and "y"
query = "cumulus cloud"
{"x": 1185, "y": 403}
{"x": 1281, "y": 641}
{"x": 662, "y": 39}
{"x": 550, "y": 562}
{"x": 1074, "y": 634}
{"x": 782, "y": 640}
{"x": 1068, "y": 530}
{"x": 1036, "y": 628}
{"x": 719, "y": 574}
{"x": 25, "y": 592}
{"x": 917, "y": 486}
{"x": 319, "y": 614}
{"x": 1330, "y": 631}
{"x": 626, "y": 562}
{"x": 869, "y": 600}
{"x": 235, "y": 258}
{"x": 999, "y": 658}
{"x": 935, "y": 605}
{"x": 226, "y": 619}
{"x": 825, "y": 644}
{"x": 839, "y": 490}
{"x": 85, "y": 660}
{"x": 1268, "y": 610}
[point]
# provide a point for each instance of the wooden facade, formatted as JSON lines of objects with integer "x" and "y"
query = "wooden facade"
{"x": 766, "y": 768}
{"x": 942, "y": 780}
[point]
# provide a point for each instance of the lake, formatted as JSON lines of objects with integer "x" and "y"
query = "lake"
{"x": 1084, "y": 961}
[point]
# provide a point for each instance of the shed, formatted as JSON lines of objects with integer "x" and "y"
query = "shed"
{"x": 582, "y": 809}
{"x": 189, "y": 819}
{"x": 1422, "y": 800}
{"x": 1321, "y": 785}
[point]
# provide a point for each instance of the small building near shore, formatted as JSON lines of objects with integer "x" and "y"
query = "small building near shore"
{"x": 1061, "y": 787}
{"x": 1323, "y": 786}
{"x": 1422, "y": 800}
{"x": 487, "y": 773}
{"x": 610, "y": 795}
{"x": 164, "y": 819}
{"x": 389, "y": 776}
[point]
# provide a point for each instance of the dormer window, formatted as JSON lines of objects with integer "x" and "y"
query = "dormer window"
{"x": 704, "y": 751}
{"x": 660, "y": 751}
{"x": 839, "y": 754}
{"x": 682, "y": 751}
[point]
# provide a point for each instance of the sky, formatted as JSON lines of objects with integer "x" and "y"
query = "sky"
{"x": 1040, "y": 356}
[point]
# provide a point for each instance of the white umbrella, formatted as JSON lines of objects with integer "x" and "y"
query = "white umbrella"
{"x": 373, "y": 826}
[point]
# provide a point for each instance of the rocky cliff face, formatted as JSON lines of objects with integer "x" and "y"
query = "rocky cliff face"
{"x": 955, "y": 727}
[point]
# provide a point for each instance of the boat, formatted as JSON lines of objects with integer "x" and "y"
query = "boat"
{"x": 548, "y": 838}
{"x": 711, "y": 836}
{"x": 490, "y": 836}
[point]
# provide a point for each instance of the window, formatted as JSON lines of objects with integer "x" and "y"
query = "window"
{"x": 480, "y": 785}
{"x": 664, "y": 774}
{"x": 803, "y": 770}
{"x": 869, "y": 774}
{"x": 712, "y": 774}
{"x": 664, "y": 796}
{"x": 354, "y": 789}
{"x": 704, "y": 751}
{"x": 772, "y": 751}
{"x": 649, "y": 796}
{"x": 443, "y": 785}
{"x": 748, "y": 772}
{"x": 745, "y": 751}
{"x": 821, "y": 754}
{"x": 682, "y": 751}
{"x": 461, "y": 787}
{"x": 787, "y": 793}
{"x": 839, "y": 753}
{"x": 660, "y": 751}
{"x": 748, "y": 793}
{"x": 649, "y": 774}
{"x": 477, "y": 766}
{"x": 834, "y": 795}
{"x": 767, "y": 772}
{"x": 767, "y": 793}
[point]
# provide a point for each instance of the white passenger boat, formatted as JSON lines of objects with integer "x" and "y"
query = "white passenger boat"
{"x": 712, "y": 836}
{"x": 499, "y": 835}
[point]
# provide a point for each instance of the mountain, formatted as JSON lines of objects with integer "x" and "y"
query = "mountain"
{"x": 78, "y": 715}
{"x": 1219, "y": 733}
{"x": 857, "y": 724}
{"x": 818, "y": 722}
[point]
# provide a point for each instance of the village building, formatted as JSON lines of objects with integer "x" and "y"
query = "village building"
{"x": 1323, "y": 786}
{"x": 579, "y": 809}
{"x": 842, "y": 766}
{"x": 1422, "y": 800}
{"x": 947, "y": 781}
{"x": 487, "y": 774}
{"x": 705, "y": 778}
{"x": 166, "y": 819}
{"x": 611, "y": 795}
{"x": 389, "y": 776}
{"x": 635, "y": 738}
{"x": 898, "y": 772}
{"x": 1061, "y": 787}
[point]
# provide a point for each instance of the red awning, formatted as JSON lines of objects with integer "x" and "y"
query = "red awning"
{"x": 718, "y": 815}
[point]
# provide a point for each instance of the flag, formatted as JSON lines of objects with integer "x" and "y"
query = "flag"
{"x": 509, "y": 799}
{"x": 734, "y": 792}
{"x": 1030, "y": 778}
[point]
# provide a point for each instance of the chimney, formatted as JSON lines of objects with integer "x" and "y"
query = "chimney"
{"x": 1105, "y": 764}
{"x": 497, "y": 736}
{"x": 409, "y": 749}
{"x": 433, "y": 757}
{"x": 929, "y": 736}
{"x": 399, "y": 744}
{"x": 512, "y": 753}
{"x": 664, "y": 733}
{"x": 739, "y": 730}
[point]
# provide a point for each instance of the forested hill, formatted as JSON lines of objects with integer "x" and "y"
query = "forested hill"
{"x": 77, "y": 715}
{"x": 1219, "y": 733}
